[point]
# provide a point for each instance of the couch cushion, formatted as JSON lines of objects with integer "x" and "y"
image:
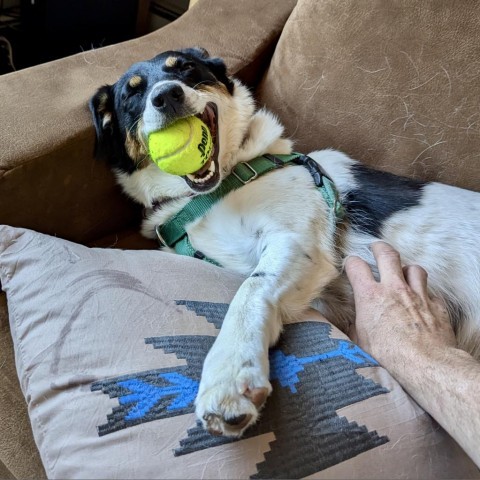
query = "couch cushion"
{"x": 393, "y": 84}
{"x": 109, "y": 346}
{"x": 19, "y": 456}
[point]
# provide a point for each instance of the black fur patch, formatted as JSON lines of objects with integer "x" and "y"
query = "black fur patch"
{"x": 379, "y": 195}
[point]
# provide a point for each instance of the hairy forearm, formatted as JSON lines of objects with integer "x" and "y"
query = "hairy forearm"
{"x": 446, "y": 383}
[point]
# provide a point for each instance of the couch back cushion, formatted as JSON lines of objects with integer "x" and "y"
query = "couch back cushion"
{"x": 393, "y": 84}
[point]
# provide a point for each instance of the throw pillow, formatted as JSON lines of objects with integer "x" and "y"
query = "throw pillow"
{"x": 109, "y": 347}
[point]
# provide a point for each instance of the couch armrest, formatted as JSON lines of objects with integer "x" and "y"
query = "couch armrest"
{"x": 48, "y": 178}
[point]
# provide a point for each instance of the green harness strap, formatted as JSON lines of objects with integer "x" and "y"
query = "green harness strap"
{"x": 173, "y": 233}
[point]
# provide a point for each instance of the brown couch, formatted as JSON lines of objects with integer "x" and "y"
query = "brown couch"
{"x": 394, "y": 84}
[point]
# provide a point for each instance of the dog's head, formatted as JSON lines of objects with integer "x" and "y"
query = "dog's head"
{"x": 153, "y": 94}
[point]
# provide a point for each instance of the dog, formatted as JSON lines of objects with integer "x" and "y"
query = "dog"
{"x": 279, "y": 230}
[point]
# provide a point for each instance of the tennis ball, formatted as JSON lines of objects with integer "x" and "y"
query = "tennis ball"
{"x": 183, "y": 147}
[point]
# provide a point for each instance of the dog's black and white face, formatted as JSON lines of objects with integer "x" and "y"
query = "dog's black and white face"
{"x": 153, "y": 94}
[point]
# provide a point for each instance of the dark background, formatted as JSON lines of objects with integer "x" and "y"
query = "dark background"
{"x": 37, "y": 31}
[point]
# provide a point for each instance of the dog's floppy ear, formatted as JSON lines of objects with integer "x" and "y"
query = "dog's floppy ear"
{"x": 216, "y": 65}
{"x": 102, "y": 108}
{"x": 219, "y": 69}
{"x": 109, "y": 143}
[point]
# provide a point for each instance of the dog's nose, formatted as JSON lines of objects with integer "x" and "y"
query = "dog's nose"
{"x": 168, "y": 98}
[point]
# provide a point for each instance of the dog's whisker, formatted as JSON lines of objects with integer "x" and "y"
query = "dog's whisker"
{"x": 135, "y": 124}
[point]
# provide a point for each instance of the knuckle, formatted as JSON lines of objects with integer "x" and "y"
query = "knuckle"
{"x": 383, "y": 248}
{"x": 390, "y": 255}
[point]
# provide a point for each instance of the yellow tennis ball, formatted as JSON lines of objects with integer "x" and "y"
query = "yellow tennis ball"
{"x": 183, "y": 147}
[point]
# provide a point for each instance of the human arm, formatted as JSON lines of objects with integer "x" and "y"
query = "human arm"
{"x": 409, "y": 333}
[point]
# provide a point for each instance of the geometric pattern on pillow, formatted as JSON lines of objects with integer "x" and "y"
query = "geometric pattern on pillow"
{"x": 309, "y": 371}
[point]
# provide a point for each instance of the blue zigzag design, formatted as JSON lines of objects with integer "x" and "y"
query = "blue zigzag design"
{"x": 145, "y": 395}
{"x": 284, "y": 368}
{"x": 183, "y": 389}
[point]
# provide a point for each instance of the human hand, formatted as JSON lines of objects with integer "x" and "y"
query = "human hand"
{"x": 396, "y": 319}
{"x": 410, "y": 334}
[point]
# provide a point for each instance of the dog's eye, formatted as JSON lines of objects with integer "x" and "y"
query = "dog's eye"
{"x": 134, "y": 93}
{"x": 187, "y": 67}
{"x": 130, "y": 95}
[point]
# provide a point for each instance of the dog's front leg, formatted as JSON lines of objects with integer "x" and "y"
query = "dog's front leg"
{"x": 235, "y": 378}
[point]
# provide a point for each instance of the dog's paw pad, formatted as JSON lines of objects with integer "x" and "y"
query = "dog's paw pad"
{"x": 228, "y": 410}
{"x": 229, "y": 424}
{"x": 258, "y": 396}
{"x": 239, "y": 421}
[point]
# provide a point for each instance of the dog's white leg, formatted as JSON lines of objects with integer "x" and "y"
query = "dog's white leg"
{"x": 235, "y": 378}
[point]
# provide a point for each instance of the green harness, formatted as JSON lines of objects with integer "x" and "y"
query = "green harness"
{"x": 173, "y": 233}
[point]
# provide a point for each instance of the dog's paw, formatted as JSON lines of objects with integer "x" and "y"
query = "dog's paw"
{"x": 231, "y": 394}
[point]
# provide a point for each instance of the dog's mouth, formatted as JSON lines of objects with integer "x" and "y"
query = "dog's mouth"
{"x": 208, "y": 176}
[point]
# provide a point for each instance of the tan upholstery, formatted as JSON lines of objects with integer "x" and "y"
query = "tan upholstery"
{"x": 394, "y": 84}
{"x": 18, "y": 453}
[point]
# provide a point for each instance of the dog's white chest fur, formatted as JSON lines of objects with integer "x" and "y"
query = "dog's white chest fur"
{"x": 237, "y": 230}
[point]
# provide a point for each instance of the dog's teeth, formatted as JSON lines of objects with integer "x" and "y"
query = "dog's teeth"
{"x": 204, "y": 179}
{"x": 211, "y": 168}
{"x": 195, "y": 179}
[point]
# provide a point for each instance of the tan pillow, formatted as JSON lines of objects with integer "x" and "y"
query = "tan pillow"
{"x": 394, "y": 84}
{"x": 109, "y": 346}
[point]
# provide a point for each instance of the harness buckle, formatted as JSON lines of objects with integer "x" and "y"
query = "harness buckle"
{"x": 160, "y": 239}
{"x": 249, "y": 167}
